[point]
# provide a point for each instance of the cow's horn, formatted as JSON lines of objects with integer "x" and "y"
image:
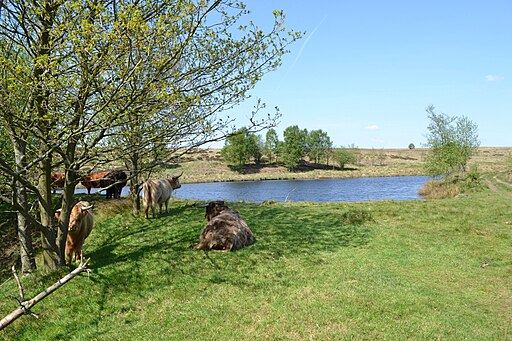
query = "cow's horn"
{"x": 200, "y": 205}
{"x": 180, "y": 175}
{"x": 58, "y": 210}
{"x": 87, "y": 207}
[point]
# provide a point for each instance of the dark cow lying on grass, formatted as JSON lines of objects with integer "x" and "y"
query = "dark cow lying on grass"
{"x": 225, "y": 230}
{"x": 81, "y": 222}
{"x": 159, "y": 192}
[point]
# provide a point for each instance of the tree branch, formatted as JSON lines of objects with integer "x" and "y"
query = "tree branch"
{"x": 25, "y": 306}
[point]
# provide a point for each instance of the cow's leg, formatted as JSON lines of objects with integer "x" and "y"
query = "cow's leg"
{"x": 78, "y": 249}
{"x": 69, "y": 253}
{"x": 167, "y": 206}
{"x": 153, "y": 209}
{"x": 79, "y": 255}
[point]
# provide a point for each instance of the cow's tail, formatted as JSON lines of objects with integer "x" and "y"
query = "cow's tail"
{"x": 147, "y": 197}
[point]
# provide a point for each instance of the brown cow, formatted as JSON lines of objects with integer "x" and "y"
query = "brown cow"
{"x": 225, "y": 230}
{"x": 57, "y": 180}
{"x": 159, "y": 192}
{"x": 113, "y": 181}
{"x": 95, "y": 180}
{"x": 118, "y": 180}
{"x": 81, "y": 222}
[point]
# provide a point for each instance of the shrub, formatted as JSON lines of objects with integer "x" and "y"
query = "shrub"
{"x": 439, "y": 189}
{"x": 451, "y": 186}
{"x": 472, "y": 180}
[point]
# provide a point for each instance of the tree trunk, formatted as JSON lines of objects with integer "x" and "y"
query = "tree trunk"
{"x": 66, "y": 206}
{"x": 132, "y": 166}
{"x": 39, "y": 105}
{"x": 28, "y": 263}
{"x": 51, "y": 254}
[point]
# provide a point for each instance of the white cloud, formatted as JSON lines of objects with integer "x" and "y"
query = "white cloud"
{"x": 494, "y": 78}
{"x": 372, "y": 127}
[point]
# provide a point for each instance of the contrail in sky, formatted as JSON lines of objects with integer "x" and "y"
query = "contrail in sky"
{"x": 307, "y": 41}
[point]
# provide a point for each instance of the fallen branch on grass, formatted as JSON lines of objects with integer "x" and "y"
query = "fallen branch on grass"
{"x": 25, "y": 306}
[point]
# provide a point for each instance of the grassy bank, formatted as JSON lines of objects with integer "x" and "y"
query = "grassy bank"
{"x": 208, "y": 166}
{"x": 437, "y": 269}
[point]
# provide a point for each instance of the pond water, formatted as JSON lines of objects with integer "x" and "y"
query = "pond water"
{"x": 320, "y": 190}
{"x": 323, "y": 190}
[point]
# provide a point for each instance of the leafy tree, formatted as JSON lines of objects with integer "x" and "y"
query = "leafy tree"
{"x": 279, "y": 151}
{"x": 318, "y": 145}
{"x": 344, "y": 156}
{"x": 452, "y": 141}
{"x": 294, "y": 146}
{"x": 240, "y": 147}
{"x": 236, "y": 150}
{"x": 84, "y": 84}
{"x": 271, "y": 144}
{"x": 256, "y": 146}
{"x": 412, "y": 146}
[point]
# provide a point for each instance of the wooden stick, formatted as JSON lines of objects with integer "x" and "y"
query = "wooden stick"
{"x": 15, "y": 274}
{"x": 25, "y": 306}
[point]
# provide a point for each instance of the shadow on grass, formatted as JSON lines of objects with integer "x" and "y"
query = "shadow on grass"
{"x": 280, "y": 231}
{"x": 133, "y": 257}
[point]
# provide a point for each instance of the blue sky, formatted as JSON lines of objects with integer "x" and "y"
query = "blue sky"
{"x": 366, "y": 70}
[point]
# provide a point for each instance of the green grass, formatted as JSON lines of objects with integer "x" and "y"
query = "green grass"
{"x": 390, "y": 270}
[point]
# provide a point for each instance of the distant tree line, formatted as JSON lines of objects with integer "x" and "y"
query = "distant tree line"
{"x": 244, "y": 147}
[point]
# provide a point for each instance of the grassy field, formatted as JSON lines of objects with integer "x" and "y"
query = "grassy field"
{"x": 392, "y": 270}
{"x": 208, "y": 166}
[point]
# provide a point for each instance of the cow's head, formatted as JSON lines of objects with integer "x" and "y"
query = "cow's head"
{"x": 214, "y": 208}
{"x": 78, "y": 212}
{"x": 175, "y": 181}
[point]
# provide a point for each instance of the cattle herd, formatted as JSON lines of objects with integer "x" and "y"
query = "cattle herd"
{"x": 111, "y": 181}
{"x": 225, "y": 229}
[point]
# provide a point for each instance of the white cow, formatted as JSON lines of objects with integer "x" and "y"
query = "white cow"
{"x": 159, "y": 191}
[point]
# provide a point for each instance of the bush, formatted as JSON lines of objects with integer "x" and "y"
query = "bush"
{"x": 439, "y": 189}
{"x": 344, "y": 156}
{"x": 471, "y": 181}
